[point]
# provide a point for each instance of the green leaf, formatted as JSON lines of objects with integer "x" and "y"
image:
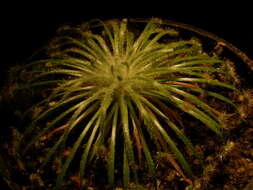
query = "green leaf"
{"x": 196, "y": 60}
{"x": 126, "y": 134}
{"x": 103, "y": 132}
{"x": 216, "y": 95}
{"x": 51, "y": 125}
{"x": 144, "y": 36}
{"x": 147, "y": 121}
{"x": 86, "y": 51}
{"x": 112, "y": 148}
{"x": 145, "y": 147}
{"x": 45, "y": 114}
{"x": 65, "y": 135}
{"x": 87, "y": 148}
{"x": 178, "y": 132}
{"x": 60, "y": 178}
{"x": 173, "y": 146}
{"x": 208, "y": 81}
{"x": 126, "y": 170}
{"x": 192, "y": 110}
{"x": 148, "y": 114}
{"x": 193, "y": 99}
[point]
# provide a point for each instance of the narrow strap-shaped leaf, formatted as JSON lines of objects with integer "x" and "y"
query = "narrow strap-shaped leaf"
{"x": 145, "y": 147}
{"x": 87, "y": 148}
{"x": 43, "y": 102}
{"x": 178, "y": 132}
{"x": 42, "y": 84}
{"x": 52, "y": 124}
{"x": 35, "y": 63}
{"x": 49, "y": 111}
{"x": 194, "y": 99}
{"x": 205, "y": 61}
{"x": 166, "y": 71}
{"x": 100, "y": 54}
{"x": 85, "y": 103}
{"x": 60, "y": 177}
{"x": 189, "y": 51}
{"x": 78, "y": 67}
{"x": 147, "y": 121}
{"x": 201, "y": 90}
{"x": 179, "y": 45}
{"x": 144, "y": 36}
{"x": 203, "y": 69}
{"x": 160, "y": 33}
{"x": 75, "y": 61}
{"x": 103, "y": 133}
{"x": 216, "y": 95}
{"x": 116, "y": 39}
{"x": 66, "y": 60}
{"x": 109, "y": 34}
{"x": 173, "y": 146}
{"x": 143, "y": 58}
{"x": 192, "y": 110}
{"x": 87, "y": 90}
{"x": 129, "y": 44}
{"x": 107, "y": 98}
{"x": 126, "y": 134}
{"x": 208, "y": 81}
{"x": 190, "y": 59}
{"x": 122, "y": 36}
{"x": 66, "y": 133}
{"x": 59, "y": 71}
{"x": 162, "y": 50}
{"x": 93, "y": 60}
{"x": 112, "y": 148}
{"x": 89, "y": 53}
{"x": 72, "y": 91}
{"x": 100, "y": 41}
{"x": 126, "y": 170}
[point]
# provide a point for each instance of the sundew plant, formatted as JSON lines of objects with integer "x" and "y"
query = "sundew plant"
{"x": 125, "y": 89}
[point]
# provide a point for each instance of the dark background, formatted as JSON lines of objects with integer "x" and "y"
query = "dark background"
{"x": 28, "y": 27}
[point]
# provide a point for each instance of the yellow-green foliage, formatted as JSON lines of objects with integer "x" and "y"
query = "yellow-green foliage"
{"x": 120, "y": 86}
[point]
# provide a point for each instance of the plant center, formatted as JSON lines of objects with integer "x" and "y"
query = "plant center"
{"x": 120, "y": 71}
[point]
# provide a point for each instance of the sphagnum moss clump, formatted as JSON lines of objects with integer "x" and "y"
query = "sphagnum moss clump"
{"x": 122, "y": 89}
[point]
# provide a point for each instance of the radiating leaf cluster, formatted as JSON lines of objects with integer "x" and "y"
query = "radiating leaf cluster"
{"x": 125, "y": 90}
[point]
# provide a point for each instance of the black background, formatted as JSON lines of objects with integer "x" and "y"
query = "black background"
{"x": 28, "y": 27}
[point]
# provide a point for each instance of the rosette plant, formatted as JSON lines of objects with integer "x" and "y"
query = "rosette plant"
{"x": 125, "y": 90}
